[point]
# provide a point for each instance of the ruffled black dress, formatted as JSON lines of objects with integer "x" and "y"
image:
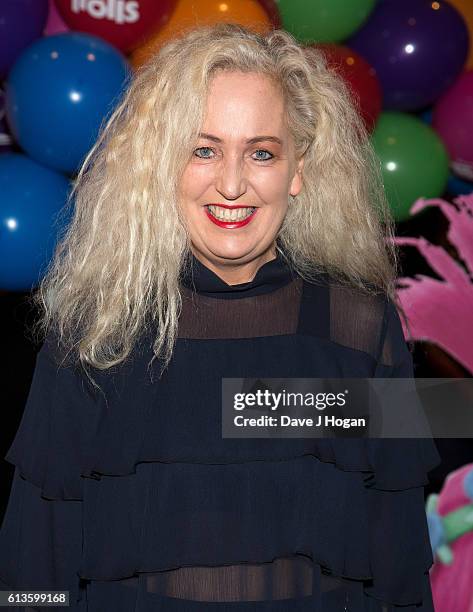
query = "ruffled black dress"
{"x": 134, "y": 502}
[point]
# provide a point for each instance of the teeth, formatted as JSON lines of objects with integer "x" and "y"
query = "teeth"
{"x": 225, "y": 214}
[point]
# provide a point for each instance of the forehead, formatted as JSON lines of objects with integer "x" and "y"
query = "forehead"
{"x": 242, "y": 103}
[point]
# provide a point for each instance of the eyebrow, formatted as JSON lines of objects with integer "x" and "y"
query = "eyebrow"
{"x": 248, "y": 141}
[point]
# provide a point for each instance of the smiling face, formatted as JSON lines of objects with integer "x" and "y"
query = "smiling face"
{"x": 244, "y": 159}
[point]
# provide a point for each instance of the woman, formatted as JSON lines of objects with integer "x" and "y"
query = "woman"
{"x": 229, "y": 223}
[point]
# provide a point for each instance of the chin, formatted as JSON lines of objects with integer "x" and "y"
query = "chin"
{"x": 229, "y": 253}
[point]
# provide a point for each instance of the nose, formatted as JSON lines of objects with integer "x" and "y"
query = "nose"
{"x": 230, "y": 180}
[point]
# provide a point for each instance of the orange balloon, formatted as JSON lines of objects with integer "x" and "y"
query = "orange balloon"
{"x": 465, "y": 8}
{"x": 189, "y": 13}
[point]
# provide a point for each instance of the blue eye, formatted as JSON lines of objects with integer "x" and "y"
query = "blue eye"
{"x": 264, "y": 151}
{"x": 203, "y": 149}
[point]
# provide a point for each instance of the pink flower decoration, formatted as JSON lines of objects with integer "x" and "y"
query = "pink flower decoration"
{"x": 441, "y": 312}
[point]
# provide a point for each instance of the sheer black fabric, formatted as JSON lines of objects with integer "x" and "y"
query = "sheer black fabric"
{"x": 133, "y": 501}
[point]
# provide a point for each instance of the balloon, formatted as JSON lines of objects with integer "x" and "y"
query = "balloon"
{"x": 465, "y": 8}
{"x": 323, "y": 20}
{"x": 417, "y": 48}
{"x": 122, "y": 23}
{"x": 271, "y": 7}
{"x": 58, "y": 93}
{"x": 189, "y": 13}
{"x": 455, "y": 185}
{"x": 413, "y": 158}
{"x": 55, "y": 24}
{"x": 32, "y": 195}
{"x": 360, "y": 77}
{"x": 453, "y": 120}
{"x": 21, "y": 21}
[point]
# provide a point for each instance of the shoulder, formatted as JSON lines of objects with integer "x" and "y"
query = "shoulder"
{"x": 352, "y": 317}
{"x": 58, "y": 363}
{"x": 54, "y": 351}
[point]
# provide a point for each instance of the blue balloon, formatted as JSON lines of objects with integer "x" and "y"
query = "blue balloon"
{"x": 32, "y": 197}
{"x": 57, "y": 94}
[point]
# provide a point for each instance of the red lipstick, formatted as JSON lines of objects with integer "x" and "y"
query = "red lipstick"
{"x": 229, "y": 224}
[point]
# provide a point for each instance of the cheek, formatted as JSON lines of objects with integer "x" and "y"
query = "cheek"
{"x": 273, "y": 186}
{"x": 194, "y": 181}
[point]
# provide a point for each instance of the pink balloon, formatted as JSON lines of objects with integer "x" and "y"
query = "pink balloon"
{"x": 55, "y": 24}
{"x": 452, "y": 119}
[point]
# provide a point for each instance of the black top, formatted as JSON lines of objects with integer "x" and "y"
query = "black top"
{"x": 134, "y": 501}
{"x": 269, "y": 277}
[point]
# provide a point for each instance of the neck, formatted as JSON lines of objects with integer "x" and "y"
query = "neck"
{"x": 235, "y": 272}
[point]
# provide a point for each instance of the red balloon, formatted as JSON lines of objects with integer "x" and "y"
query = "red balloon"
{"x": 360, "y": 76}
{"x": 271, "y": 7}
{"x": 122, "y": 23}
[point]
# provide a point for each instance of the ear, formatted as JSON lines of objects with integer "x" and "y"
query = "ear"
{"x": 296, "y": 183}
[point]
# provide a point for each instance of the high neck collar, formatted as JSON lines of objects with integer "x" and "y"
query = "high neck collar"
{"x": 270, "y": 276}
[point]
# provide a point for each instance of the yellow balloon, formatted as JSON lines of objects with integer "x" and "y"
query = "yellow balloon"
{"x": 189, "y": 13}
{"x": 465, "y": 7}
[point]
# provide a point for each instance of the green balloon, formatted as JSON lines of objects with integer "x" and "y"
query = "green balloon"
{"x": 414, "y": 160}
{"x": 323, "y": 20}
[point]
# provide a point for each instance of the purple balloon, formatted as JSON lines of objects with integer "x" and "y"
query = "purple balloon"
{"x": 417, "y": 47}
{"x": 21, "y": 22}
